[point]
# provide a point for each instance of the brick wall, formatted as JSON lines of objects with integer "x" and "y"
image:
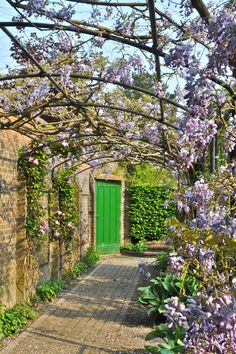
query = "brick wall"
{"x": 86, "y": 217}
{"x": 127, "y": 237}
{"x": 21, "y": 270}
{"x": 12, "y": 216}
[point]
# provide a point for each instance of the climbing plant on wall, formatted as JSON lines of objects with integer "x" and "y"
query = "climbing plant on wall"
{"x": 62, "y": 208}
{"x": 63, "y": 205}
{"x": 149, "y": 209}
{"x": 34, "y": 168}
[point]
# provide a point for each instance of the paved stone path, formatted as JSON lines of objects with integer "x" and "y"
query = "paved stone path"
{"x": 98, "y": 315}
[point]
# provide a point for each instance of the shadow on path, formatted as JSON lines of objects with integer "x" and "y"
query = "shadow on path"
{"x": 99, "y": 315}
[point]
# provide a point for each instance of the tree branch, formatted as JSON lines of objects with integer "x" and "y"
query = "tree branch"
{"x": 201, "y": 9}
{"x": 100, "y": 79}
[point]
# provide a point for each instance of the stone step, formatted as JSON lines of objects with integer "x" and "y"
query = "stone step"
{"x": 157, "y": 249}
{"x": 156, "y": 246}
{"x": 139, "y": 254}
{"x": 153, "y": 248}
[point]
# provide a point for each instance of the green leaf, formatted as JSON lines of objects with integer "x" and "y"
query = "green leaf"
{"x": 152, "y": 310}
{"x": 166, "y": 351}
{"x": 152, "y": 350}
{"x": 153, "y": 334}
{"x": 178, "y": 349}
{"x": 162, "y": 329}
{"x": 162, "y": 308}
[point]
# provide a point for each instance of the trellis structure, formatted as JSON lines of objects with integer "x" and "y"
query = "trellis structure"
{"x": 86, "y": 107}
{"x": 62, "y": 113}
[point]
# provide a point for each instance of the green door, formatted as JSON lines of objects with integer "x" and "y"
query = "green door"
{"x": 108, "y": 199}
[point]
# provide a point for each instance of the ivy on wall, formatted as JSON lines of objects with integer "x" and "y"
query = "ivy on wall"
{"x": 149, "y": 209}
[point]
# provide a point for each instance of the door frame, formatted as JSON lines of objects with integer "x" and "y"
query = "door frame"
{"x": 111, "y": 178}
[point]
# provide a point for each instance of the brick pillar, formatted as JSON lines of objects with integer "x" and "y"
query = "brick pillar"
{"x": 83, "y": 180}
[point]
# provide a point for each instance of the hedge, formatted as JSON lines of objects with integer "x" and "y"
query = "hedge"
{"x": 149, "y": 210}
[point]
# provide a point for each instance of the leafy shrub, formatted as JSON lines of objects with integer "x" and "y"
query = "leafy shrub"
{"x": 92, "y": 257}
{"x": 138, "y": 247}
{"x": 79, "y": 269}
{"x": 12, "y": 320}
{"x": 49, "y": 290}
{"x": 149, "y": 211}
{"x": 162, "y": 259}
{"x": 75, "y": 272}
{"x": 68, "y": 275}
{"x": 157, "y": 294}
{"x": 128, "y": 246}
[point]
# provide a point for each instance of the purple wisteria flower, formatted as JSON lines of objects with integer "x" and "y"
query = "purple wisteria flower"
{"x": 221, "y": 31}
{"x": 175, "y": 313}
{"x": 5, "y": 103}
{"x": 180, "y": 56}
{"x": 141, "y": 267}
{"x": 211, "y": 324}
{"x": 176, "y": 263}
{"x": 197, "y": 197}
{"x": 196, "y": 135}
{"x": 66, "y": 12}
{"x": 123, "y": 27}
{"x": 191, "y": 250}
{"x": 64, "y": 43}
{"x": 207, "y": 259}
{"x": 137, "y": 63}
{"x": 39, "y": 92}
{"x": 186, "y": 7}
{"x": 65, "y": 77}
{"x": 99, "y": 41}
{"x": 34, "y": 6}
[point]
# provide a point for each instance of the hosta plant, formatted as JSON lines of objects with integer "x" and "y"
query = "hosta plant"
{"x": 162, "y": 289}
{"x": 170, "y": 341}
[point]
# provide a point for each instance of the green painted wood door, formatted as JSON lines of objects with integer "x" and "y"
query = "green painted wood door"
{"x": 108, "y": 200}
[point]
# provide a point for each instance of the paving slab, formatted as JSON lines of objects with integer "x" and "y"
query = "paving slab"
{"x": 99, "y": 315}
